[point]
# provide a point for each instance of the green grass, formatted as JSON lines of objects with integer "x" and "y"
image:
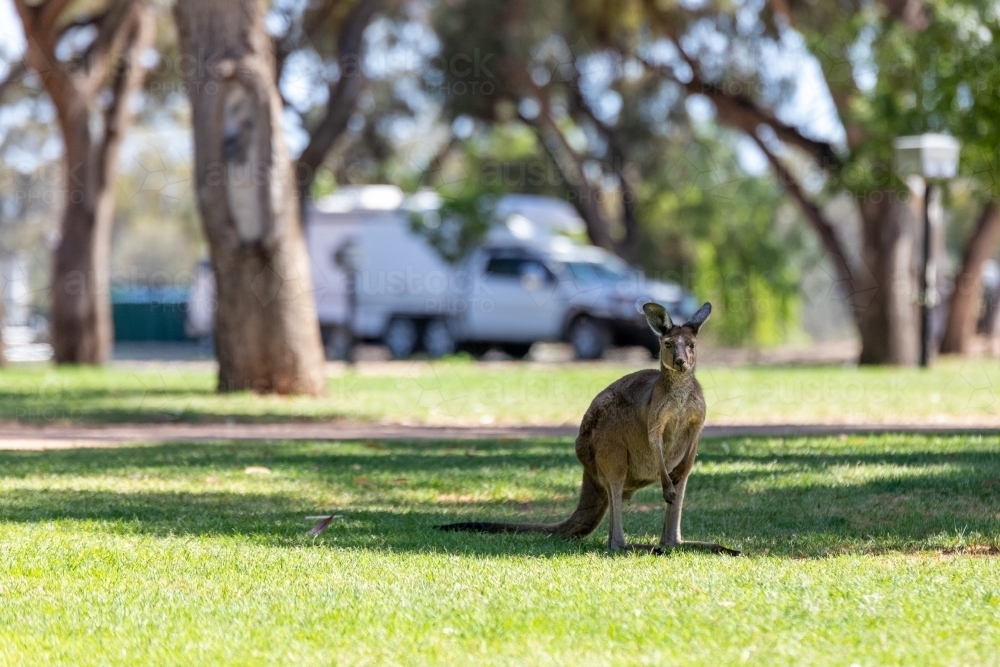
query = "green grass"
{"x": 867, "y": 550}
{"x": 463, "y": 392}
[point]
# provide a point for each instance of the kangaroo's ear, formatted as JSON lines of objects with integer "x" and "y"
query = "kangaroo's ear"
{"x": 658, "y": 318}
{"x": 699, "y": 318}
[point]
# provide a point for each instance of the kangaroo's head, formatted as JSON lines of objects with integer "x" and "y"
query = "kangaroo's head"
{"x": 678, "y": 344}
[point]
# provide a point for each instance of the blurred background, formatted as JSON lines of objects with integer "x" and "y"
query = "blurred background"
{"x": 511, "y": 180}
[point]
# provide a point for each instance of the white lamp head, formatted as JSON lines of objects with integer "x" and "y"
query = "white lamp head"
{"x": 933, "y": 156}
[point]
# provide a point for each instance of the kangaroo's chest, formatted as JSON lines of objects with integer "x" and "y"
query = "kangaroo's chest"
{"x": 679, "y": 426}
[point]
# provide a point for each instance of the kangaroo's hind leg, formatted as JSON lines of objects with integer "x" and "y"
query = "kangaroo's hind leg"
{"x": 616, "y": 530}
{"x": 671, "y": 536}
{"x": 612, "y": 464}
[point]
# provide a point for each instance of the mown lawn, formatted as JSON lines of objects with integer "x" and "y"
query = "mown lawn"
{"x": 861, "y": 550}
{"x": 462, "y": 392}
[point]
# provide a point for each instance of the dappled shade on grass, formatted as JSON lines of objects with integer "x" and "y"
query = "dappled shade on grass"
{"x": 184, "y": 553}
{"x": 784, "y": 497}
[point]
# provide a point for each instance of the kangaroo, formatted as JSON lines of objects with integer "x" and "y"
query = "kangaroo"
{"x": 642, "y": 429}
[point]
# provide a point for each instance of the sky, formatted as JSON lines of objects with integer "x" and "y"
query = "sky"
{"x": 11, "y": 38}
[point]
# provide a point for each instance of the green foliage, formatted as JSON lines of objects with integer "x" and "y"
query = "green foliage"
{"x": 727, "y": 236}
{"x": 500, "y": 158}
{"x": 458, "y": 226}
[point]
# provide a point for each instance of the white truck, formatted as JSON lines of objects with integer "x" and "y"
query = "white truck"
{"x": 379, "y": 280}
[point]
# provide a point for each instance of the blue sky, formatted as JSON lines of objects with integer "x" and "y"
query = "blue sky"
{"x": 10, "y": 27}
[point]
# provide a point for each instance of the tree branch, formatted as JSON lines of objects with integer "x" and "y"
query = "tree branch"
{"x": 435, "y": 163}
{"x": 964, "y": 304}
{"x": 14, "y": 76}
{"x": 343, "y": 94}
{"x": 310, "y": 23}
{"x": 627, "y": 247}
{"x": 47, "y": 15}
{"x": 113, "y": 35}
{"x": 40, "y": 57}
{"x": 586, "y": 198}
{"x": 84, "y": 21}
{"x": 743, "y": 113}
{"x": 138, "y": 33}
{"x": 814, "y": 214}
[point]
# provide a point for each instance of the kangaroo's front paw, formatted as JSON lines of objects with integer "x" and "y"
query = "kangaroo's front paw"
{"x": 669, "y": 492}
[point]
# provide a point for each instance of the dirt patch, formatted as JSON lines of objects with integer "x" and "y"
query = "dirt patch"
{"x": 986, "y": 550}
{"x": 15, "y": 436}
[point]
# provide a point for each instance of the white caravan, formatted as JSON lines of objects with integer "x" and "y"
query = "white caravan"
{"x": 527, "y": 282}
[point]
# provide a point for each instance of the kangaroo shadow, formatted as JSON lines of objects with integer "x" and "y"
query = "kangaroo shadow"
{"x": 794, "y": 506}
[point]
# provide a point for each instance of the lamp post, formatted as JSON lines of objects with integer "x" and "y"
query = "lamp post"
{"x": 933, "y": 157}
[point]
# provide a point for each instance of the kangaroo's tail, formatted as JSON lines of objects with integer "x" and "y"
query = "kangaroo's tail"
{"x": 582, "y": 522}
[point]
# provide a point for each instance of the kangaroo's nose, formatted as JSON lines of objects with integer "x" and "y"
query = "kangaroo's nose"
{"x": 681, "y": 364}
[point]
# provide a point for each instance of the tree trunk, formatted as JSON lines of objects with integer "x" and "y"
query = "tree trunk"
{"x": 266, "y": 331}
{"x": 963, "y": 311}
{"x": 3, "y": 317}
{"x": 885, "y": 300}
{"x": 81, "y": 311}
{"x": 82, "y": 330}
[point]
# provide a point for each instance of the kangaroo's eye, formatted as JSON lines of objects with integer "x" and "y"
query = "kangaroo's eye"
{"x": 668, "y": 343}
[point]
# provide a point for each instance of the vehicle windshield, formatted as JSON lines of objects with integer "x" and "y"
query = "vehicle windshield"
{"x": 608, "y": 271}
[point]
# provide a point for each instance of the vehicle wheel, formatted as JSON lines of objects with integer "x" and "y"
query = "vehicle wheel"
{"x": 589, "y": 338}
{"x": 437, "y": 339}
{"x": 401, "y": 338}
{"x": 337, "y": 343}
{"x": 516, "y": 350}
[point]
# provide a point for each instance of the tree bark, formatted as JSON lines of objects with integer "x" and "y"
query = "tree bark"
{"x": 880, "y": 293}
{"x": 628, "y": 246}
{"x": 81, "y": 312}
{"x": 266, "y": 332}
{"x": 963, "y": 311}
{"x": 886, "y": 307}
{"x": 586, "y": 197}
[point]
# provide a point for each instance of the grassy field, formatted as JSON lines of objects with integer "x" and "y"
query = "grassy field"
{"x": 462, "y": 392}
{"x": 859, "y": 551}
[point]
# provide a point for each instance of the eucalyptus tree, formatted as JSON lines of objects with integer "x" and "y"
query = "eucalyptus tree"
{"x": 651, "y": 183}
{"x": 266, "y": 329}
{"x": 330, "y": 34}
{"x": 90, "y": 60}
{"x": 887, "y": 69}
{"x": 525, "y": 60}
{"x": 877, "y": 70}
